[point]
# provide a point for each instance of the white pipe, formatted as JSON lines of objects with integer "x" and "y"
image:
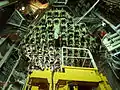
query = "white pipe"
{"x": 115, "y": 28}
{"x": 111, "y": 25}
{"x": 5, "y": 85}
{"x": 88, "y": 10}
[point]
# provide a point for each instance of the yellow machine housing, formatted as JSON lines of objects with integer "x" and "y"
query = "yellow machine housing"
{"x": 69, "y": 78}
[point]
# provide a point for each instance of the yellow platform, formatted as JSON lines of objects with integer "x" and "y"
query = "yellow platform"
{"x": 70, "y": 78}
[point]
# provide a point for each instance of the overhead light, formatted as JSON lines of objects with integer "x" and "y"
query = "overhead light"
{"x": 23, "y": 8}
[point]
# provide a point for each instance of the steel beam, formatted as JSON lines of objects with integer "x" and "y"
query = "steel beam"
{"x": 6, "y": 55}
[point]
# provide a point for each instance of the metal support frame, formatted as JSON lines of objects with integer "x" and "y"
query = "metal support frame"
{"x": 13, "y": 17}
{"x": 6, "y": 55}
{"x": 114, "y": 70}
{"x": 112, "y": 43}
{"x": 2, "y": 40}
{"x": 5, "y": 85}
{"x": 81, "y": 57}
{"x": 115, "y": 28}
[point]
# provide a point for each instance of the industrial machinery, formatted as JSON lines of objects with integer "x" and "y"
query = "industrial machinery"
{"x": 56, "y": 29}
{"x": 112, "y": 43}
{"x": 71, "y": 78}
{"x": 53, "y": 47}
{"x": 59, "y": 57}
{"x": 85, "y": 77}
